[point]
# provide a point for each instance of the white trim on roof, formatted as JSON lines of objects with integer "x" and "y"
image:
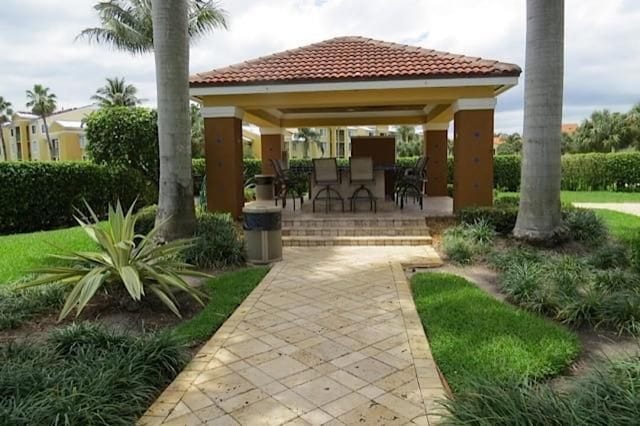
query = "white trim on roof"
{"x": 272, "y": 131}
{"x": 435, "y": 126}
{"x": 354, "y": 85}
{"x": 474, "y": 104}
{"x": 222, "y": 112}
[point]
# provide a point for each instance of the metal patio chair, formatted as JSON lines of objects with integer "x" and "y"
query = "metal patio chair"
{"x": 326, "y": 174}
{"x": 361, "y": 172}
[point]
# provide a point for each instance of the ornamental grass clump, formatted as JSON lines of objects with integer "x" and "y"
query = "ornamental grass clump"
{"x": 607, "y": 395}
{"x": 463, "y": 242}
{"x": 127, "y": 265}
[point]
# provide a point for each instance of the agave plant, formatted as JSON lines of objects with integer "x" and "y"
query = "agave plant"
{"x": 139, "y": 263}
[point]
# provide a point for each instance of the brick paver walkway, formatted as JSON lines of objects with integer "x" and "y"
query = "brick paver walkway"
{"x": 330, "y": 336}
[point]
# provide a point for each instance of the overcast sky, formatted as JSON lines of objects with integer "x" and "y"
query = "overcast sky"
{"x": 602, "y": 67}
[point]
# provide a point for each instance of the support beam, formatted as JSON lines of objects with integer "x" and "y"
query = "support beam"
{"x": 435, "y": 148}
{"x": 224, "y": 168}
{"x": 272, "y": 141}
{"x": 473, "y": 153}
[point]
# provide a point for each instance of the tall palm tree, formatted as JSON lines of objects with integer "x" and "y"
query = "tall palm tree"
{"x": 116, "y": 93}
{"x": 127, "y": 24}
{"x": 406, "y": 133}
{"x": 5, "y": 116}
{"x": 42, "y": 103}
{"x": 539, "y": 217}
{"x": 306, "y": 136}
{"x": 171, "y": 48}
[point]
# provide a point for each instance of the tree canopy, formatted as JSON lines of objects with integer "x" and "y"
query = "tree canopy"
{"x": 116, "y": 92}
{"x": 126, "y": 24}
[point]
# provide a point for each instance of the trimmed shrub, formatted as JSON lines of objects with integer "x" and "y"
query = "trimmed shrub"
{"x": 506, "y": 172}
{"x": 36, "y": 196}
{"x": 217, "y": 244}
{"x": 125, "y": 137}
{"x": 598, "y": 171}
{"x": 503, "y": 219}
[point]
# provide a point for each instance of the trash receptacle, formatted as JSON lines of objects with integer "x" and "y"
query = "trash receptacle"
{"x": 263, "y": 232}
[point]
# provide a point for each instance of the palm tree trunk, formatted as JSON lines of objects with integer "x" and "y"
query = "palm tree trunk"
{"x": 46, "y": 132}
{"x": 539, "y": 216}
{"x": 171, "y": 48}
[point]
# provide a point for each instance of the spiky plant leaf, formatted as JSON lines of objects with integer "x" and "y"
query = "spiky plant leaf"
{"x": 135, "y": 262}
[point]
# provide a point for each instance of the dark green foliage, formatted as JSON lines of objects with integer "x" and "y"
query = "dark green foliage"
{"x": 612, "y": 280}
{"x": 585, "y": 225}
{"x": 609, "y": 256}
{"x": 474, "y": 335}
{"x": 146, "y": 219}
{"x": 633, "y": 242}
{"x": 504, "y": 259}
{"x": 36, "y": 196}
{"x": 227, "y": 292}
{"x": 591, "y": 172}
{"x": 217, "y": 243}
{"x": 125, "y": 137}
{"x": 506, "y": 172}
{"x": 506, "y": 201}
{"x": 18, "y": 306}
{"x": 607, "y": 395}
{"x": 503, "y": 219}
{"x": 84, "y": 375}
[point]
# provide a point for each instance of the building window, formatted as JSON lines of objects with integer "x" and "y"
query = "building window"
{"x": 341, "y": 135}
{"x": 83, "y": 142}
{"x": 35, "y": 147}
{"x": 12, "y": 134}
{"x": 33, "y": 129}
{"x": 19, "y": 151}
{"x": 341, "y": 150}
{"x": 55, "y": 152}
{"x": 42, "y": 129}
{"x": 17, "y": 134}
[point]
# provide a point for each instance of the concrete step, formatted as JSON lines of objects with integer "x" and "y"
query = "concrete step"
{"x": 313, "y": 241}
{"x": 354, "y": 223}
{"x": 356, "y": 232}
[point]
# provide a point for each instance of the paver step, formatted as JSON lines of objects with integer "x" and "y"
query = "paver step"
{"x": 304, "y": 241}
{"x": 353, "y": 223}
{"x": 355, "y": 232}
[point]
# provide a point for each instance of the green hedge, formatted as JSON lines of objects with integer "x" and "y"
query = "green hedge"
{"x": 580, "y": 172}
{"x": 36, "y": 196}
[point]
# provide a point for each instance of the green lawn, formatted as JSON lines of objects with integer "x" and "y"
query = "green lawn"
{"x": 594, "y": 196}
{"x": 227, "y": 292}
{"x": 473, "y": 335}
{"x": 21, "y": 252}
{"x": 621, "y": 225}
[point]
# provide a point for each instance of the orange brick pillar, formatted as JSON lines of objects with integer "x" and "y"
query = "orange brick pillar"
{"x": 223, "y": 157}
{"x": 435, "y": 148}
{"x": 272, "y": 141}
{"x": 473, "y": 153}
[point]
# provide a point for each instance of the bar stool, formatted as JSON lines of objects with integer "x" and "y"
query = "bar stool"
{"x": 325, "y": 173}
{"x": 361, "y": 172}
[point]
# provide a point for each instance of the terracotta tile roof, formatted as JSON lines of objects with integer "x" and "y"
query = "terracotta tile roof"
{"x": 353, "y": 59}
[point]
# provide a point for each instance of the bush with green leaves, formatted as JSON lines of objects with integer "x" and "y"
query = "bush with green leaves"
{"x": 503, "y": 219}
{"x": 609, "y": 394}
{"x": 85, "y": 375}
{"x": 217, "y": 242}
{"x": 128, "y": 264}
{"x": 461, "y": 243}
{"x": 125, "y": 137}
{"x": 36, "y": 196}
{"x": 585, "y": 226}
